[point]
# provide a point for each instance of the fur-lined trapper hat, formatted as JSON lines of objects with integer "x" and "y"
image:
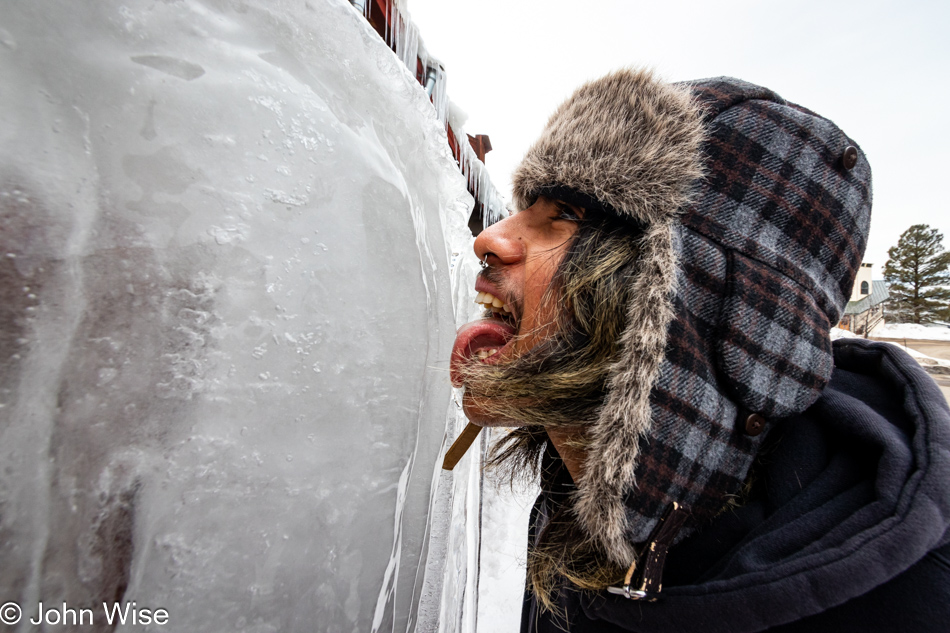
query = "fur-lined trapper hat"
{"x": 754, "y": 214}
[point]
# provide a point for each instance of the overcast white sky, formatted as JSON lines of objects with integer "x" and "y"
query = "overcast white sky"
{"x": 878, "y": 69}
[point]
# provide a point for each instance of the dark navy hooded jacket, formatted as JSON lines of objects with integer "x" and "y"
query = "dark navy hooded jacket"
{"x": 846, "y": 528}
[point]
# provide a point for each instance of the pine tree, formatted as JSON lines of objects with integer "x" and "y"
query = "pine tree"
{"x": 915, "y": 271}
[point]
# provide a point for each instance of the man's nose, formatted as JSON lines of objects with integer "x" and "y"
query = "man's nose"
{"x": 500, "y": 243}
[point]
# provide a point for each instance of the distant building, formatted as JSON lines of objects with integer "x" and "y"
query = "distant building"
{"x": 865, "y": 310}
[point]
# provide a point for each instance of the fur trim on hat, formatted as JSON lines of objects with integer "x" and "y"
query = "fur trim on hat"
{"x": 627, "y": 140}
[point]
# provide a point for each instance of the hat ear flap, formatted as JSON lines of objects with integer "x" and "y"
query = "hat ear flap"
{"x": 774, "y": 352}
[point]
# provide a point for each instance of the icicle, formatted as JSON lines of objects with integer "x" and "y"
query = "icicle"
{"x": 423, "y": 60}
{"x": 411, "y": 46}
{"x": 439, "y": 100}
{"x": 393, "y": 25}
{"x": 389, "y": 24}
{"x": 400, "y": 38}
{"x": 478, "y": 180}
{"x": 404, "y": 36}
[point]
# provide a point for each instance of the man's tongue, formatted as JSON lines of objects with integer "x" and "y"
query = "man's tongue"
{"x": 481, "y": 339}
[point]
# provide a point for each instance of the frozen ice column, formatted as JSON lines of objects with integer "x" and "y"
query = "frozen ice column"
{"x": 226, "y": 313}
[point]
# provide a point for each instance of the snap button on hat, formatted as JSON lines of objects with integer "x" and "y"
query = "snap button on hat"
{"x": 754, "y": 424}
{"x": 850, "y": 157}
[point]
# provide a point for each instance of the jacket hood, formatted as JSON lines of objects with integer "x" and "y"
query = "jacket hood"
{"x": 753, "y": 214}
{"x": 854, "y": 491}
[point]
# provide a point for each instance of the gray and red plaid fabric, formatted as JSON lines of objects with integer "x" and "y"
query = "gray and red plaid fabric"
{"x": 768, "y": 252}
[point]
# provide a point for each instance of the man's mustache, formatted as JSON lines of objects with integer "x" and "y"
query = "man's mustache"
{"x": 495, "y": 276}
{"x": 492, "y": 275}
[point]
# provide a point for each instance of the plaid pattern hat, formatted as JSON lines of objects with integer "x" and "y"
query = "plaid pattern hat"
{"x": 743, "y": 273}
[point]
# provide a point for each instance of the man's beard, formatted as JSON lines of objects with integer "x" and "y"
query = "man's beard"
{"x": 554, "y": 384}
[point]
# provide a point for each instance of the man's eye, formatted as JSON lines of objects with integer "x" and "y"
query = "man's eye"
{"x": 567, "y": 212}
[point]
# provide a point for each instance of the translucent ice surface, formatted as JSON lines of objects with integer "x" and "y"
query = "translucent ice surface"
{"x": 226, "y": 311}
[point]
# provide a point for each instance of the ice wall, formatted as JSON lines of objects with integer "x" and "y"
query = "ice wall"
{"x": 225, "y": 316}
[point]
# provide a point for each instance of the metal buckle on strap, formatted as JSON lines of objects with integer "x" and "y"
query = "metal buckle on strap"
{"x": 646, "y": 583}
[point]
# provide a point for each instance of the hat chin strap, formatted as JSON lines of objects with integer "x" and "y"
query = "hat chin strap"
{"x": 645, "y": 581}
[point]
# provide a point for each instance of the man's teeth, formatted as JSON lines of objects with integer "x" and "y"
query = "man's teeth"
{"x": 482, "y": 354}
{"x": 491, "y": 302}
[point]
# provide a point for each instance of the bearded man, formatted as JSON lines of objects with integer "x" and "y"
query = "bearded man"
{"x": 658, "y": 335}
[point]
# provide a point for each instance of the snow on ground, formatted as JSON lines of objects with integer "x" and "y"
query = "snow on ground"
{"x": 921, "y": 358}
{"x": 837, "y": 333}
{"x": 913, "y": 330}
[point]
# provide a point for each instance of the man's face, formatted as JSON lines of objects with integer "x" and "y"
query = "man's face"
{"x": 522, "y": 253}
